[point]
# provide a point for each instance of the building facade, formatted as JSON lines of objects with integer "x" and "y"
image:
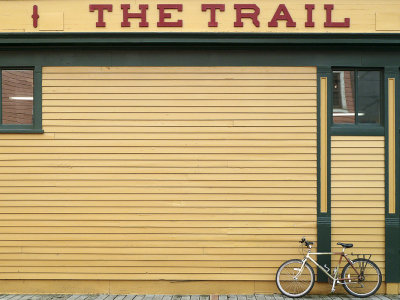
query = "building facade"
{"x": 186, "y": 146}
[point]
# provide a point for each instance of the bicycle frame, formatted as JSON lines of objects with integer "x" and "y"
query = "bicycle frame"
{"x": 335, "y": 279}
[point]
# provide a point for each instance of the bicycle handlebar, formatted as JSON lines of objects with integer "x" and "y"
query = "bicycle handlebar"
{"x": 308, "y": 244}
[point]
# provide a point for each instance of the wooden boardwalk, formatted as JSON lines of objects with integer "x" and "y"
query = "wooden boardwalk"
{"x": 184, "y": 297}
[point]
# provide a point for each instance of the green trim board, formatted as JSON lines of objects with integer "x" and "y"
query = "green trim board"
{"x": 392, "y": 221}
{"x": 37, "y": 96}
{"x": 1, "y": 100}
{"x": 15, "y": 130}
{"x": 113, "y": 39}
{"x": 86, "y": 54}
{"x": 323, "y": 219}
{"x": 358, "y": 130}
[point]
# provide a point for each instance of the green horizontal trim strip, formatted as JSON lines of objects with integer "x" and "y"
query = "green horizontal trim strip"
{"x": 358, "y": 130}
{"x": 16, "y": 126}
{"x": 21, "y": 131}
{"x": 211, "y": 38}
{"x": 22, "y": 128}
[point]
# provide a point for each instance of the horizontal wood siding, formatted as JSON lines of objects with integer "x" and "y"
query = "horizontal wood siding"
{"x": 358, "y": 195}
{"x": 205, "y": 173}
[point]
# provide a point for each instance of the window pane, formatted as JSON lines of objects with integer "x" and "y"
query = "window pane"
{"x": 343, "y": 97}
{"x": 17, "y": 96}
{"x": 369, "y": 96}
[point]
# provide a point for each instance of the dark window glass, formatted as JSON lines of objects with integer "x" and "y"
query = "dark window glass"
{"x": 343, "y": 97}
{"x": 357, "y": 96}
{"x": 337, "y": 97}
{"x": 17, "y": 96}
{"x": 369, "y": 96}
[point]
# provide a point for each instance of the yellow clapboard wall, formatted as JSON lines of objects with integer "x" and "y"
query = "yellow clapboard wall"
{"x": 358, "y": 195}
{"x": 148, "y": 173}
{"x": 367, "y": 16}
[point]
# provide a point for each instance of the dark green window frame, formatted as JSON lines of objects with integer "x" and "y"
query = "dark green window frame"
{"x": 358, "y": 129}
{"x": 36, "y": 126}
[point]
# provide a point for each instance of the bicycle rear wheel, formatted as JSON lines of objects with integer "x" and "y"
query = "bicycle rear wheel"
{"x": 362, "y": 279}
{"x": 290, "y": 282}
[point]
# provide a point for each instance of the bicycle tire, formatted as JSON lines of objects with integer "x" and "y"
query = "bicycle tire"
{"x": 286, "y": 282}
{"x": 367, "y": 283}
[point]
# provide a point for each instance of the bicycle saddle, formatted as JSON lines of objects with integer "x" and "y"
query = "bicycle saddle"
{"x": 345, "y": 245}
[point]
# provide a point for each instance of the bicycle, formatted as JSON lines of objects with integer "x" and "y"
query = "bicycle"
{"x": 360, "y": 277}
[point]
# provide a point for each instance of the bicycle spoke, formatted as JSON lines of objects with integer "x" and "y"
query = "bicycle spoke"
{"x": 293, "y": 282}
{"x": 362, "y": 278}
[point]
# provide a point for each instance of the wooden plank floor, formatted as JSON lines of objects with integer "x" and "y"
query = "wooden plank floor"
{"x": 184, "y": 297}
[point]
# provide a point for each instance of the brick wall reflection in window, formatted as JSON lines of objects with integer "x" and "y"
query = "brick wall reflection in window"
{"x": 17, "y": 96}
{"x": 343, "y": 97}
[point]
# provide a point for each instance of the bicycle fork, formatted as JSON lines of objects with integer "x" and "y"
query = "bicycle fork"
{"x": 299, "y": 271}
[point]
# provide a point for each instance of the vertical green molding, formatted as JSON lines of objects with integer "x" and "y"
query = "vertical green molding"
{"x": 392, "y": 221}
{"x": 1, "y": 97}
{"x": 37, "y": 96}
{"x": 323, "y": 219}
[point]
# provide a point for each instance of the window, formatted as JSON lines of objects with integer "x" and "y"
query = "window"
{"x": 18, "y": 107}
{"x": 357, "y": 97}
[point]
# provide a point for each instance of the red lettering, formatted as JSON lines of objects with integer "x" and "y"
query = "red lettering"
{"x": 309, "y": 8}
{"x": 142, "y": 15}
{"x": 329, "y": 23}
{"x": 213, "y": 8}
{"x": 35, "y": 16}
{"x": 279, "y": 17}
{"x": 164, "y": 15}
{"x": 253, "y": 16}
{"x": 100, "y": 8}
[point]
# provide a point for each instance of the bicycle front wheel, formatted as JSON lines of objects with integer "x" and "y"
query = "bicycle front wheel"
{"x": 292, "y": 281}
{"x": 362, "y": 278}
